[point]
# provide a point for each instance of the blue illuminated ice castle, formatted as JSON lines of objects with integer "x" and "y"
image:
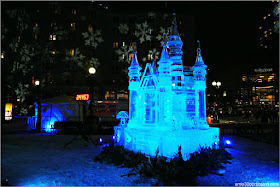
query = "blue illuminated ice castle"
{"x": 166, "y": 108}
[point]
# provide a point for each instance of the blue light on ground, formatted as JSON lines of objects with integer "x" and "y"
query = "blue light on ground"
{"x": 100, "y": 140}
{"x": 113, "y": 138}
{"x": 228, "y": 143}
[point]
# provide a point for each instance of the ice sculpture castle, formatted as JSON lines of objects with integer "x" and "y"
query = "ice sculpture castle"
{"x": 166, "y": 108}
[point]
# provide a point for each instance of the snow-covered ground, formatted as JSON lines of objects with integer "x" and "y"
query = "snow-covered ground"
{"x": 41, "y": 160}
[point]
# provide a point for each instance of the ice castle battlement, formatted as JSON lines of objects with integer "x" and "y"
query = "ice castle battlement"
{"x": 167, "y": 108}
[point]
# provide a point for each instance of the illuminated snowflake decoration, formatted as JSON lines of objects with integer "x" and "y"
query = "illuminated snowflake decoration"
{"x": 14, "y": 46}
{"x": 94, "y": 62}
{"x": 77, "y": 58}
{"x": 163, "y": 30}
{"x": 143, "y": 32}
{"x": 26, "y": 53}
{"x": 155, "y": 55}
{"x": 93, "y": 37}
{"x": 123, "y": 28}
{"x": 123, "y": 53}
{"x": 22, "y": 91}
{"x": 23, "y": 111}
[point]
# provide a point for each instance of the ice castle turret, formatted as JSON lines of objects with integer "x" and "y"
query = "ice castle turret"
{"x": 175, "y": 45}
{"x": 134, "y": 82}
{"x": 199, "y": 73}
{"x": 166, "y": 112}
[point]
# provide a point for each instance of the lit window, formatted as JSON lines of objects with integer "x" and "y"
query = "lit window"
{"x": 74, "y": 12}
{"x": 54, "y": 37}
{"x": 261, "y": 76}
{"x": 274, "y": 22}
{"x": 72, "y": 52}
{"x": 265, "y": 35}
{"x": 270, "y": 32}
{"x": 73, "y": 25}
{"x": 2, "y": 55}
{"x": 50, "y": 37}
{"x": 173, "y": 84}
{"x": 130, "y": 57}
{"x": 265, "y": 32}
{"x": 36, "y": 25}
{"x": 244, "y": 78}
{"x": 268, "y": 14}
{"x": 260, "y": 27}
{"x": 150, "y": 57}
{"x": 89, "y": 28}
{"x": 53, "y": 52}
{"x": 265, "y": 46}
{"x": 123, "y": 56}
{"x": 123, "y": 44}
{"x": 264, "y": 17}
{"x": 117, "y": 44}
{"x": 18, "y": 39}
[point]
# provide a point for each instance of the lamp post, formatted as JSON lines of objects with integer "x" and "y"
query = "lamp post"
{"x": 217, "y": 86}
{"x": 39, "y": 115}
{"x": 91, "y": 71}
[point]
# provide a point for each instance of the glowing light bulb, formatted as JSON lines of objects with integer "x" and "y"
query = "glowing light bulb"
{"x": 100, "y": 140}
{"x": 92, "y": 70}
{"x": 214, "y": 83}
{"x": 228, "y": 142}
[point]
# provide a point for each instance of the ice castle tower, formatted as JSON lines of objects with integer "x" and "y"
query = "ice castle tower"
{"x": 166, "y": 108}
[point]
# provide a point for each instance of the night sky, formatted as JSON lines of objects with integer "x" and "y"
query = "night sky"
{"x": 228, "y": 32}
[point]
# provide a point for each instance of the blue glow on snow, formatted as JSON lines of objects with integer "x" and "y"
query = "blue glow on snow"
{"x": 166, "y": 108}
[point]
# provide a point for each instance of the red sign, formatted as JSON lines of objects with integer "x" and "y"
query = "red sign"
{"x": 83, "y": 97}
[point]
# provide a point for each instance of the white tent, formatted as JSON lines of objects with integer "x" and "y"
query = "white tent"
{"x": 60, "y": 108}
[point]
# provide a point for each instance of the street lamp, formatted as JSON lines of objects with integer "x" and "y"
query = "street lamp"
{"x": 37, "y": 82}
{"x": 91, "y": 71}
{"x": 39, "y": 115}
{"x": 214, "y": 83}
{"x": 217, "y": 86}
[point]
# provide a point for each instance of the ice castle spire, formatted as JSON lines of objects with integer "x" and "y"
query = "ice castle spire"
{"x": 164, "y": 62}
{"x": 199, "y": 60}
{"x": 199, "y": 73}
{"x": 199, "y": 64}
{"x": 174, "y": 30}
{"x": 134, "y": 83}
{"x": 175, "y": 45}
{"x": 134, "y": 68}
